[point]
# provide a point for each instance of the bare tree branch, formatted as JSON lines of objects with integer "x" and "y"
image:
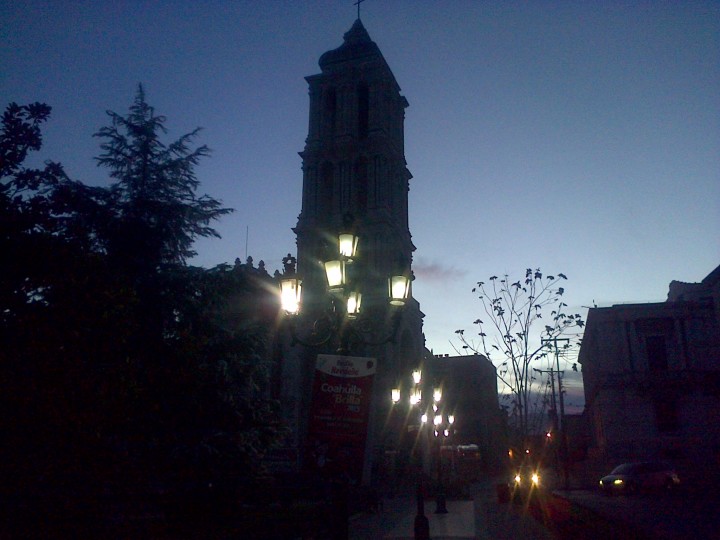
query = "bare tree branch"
{"x": 514, "y": 339}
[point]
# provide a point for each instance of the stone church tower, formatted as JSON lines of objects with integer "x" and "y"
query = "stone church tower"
{"x": 355, "y": 175}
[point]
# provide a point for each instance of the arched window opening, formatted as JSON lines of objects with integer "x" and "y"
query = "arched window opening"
{"x": 360, "y": 187}
{"x": 363, "y": 110}
{"x": 325, "y": 191}
{"x": 330, "y": 111}
{"x": 408, "y": 360}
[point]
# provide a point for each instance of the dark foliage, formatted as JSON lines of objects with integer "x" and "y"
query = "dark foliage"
{"x": 124, "y": 371}
{"x": 154, "y": 194}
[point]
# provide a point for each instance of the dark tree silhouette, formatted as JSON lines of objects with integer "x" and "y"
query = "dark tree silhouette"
{"x": 154, "y": 196}
{"x": 125, "y": 370}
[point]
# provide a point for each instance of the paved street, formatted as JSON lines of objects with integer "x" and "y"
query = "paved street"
{"x": 657, "y": 516}
{"x": 504, "y": 521}
{"x": 396, "y": 521}
{"x": 561, "y": 515}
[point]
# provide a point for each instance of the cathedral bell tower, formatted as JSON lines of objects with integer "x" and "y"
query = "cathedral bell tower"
{"x": 355, "y": 177}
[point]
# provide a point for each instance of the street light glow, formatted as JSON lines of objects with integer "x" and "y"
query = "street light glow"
{"x": 335, "y": 273}
{"x": 353, "y": 304}
{"x": 348, "y": 245}
{"x": 398, "y": 290}
{"x": 290, "y": 292}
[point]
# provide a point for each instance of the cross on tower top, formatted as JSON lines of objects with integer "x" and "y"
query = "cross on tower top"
{"x": 358, "y": 6}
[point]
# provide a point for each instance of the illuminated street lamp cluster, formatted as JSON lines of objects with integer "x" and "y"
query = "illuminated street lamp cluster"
{"x": 338, "y": 282}
{"x": 345, "y": 296}
{"x": 415, "y": 394}
{"x": 442, "y": 425}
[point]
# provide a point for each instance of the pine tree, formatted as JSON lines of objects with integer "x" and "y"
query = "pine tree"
{"x": 159, "y": 215}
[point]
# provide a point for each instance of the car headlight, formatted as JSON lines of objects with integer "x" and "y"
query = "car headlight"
{"x": 617, "y": 481}
{"x": 517, "y": 479}
{"x": 535, "y": 479}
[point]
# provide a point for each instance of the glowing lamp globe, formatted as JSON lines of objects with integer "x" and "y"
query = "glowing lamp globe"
{"x": 353, "y": 304}
{"x": 335, "y": 272}
{"x": 399, "y": 289}
{"x": 290, "y": 293}
{"x": 347, "y": 244}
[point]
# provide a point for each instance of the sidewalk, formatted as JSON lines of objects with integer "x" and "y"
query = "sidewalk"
{"x": 397, "y": 518}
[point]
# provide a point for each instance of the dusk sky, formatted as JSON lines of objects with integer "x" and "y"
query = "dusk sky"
{"x": 578, "y": 137}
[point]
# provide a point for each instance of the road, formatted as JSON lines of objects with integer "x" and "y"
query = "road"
{"x": 506, "y": 521}
{"x": 653, "y": 516}
{"x": 559, "y": 515}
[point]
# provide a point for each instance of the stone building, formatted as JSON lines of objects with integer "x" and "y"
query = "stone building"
{"x": 469, "y": 391}
{"x": 354, "y": 177}
{"x": 652, "y": 378}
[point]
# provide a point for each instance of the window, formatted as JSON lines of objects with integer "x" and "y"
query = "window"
{"x": 330, "y": 111}
{"x": 363, "y": 110}
{"x": 657, "y": 335}
{"x": 656, "y": 353}
{"x": 325, "y": 192}
{"x": 360, "y": 186}
{"x": 666, "y": 415}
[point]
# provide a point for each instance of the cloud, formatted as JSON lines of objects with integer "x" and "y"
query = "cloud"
{"x": 434, "y": 271}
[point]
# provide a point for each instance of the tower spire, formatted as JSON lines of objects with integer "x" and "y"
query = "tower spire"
{"x": 358, "y": 7}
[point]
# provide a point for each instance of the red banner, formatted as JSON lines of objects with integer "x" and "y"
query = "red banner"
{"x": 342, "y": 392}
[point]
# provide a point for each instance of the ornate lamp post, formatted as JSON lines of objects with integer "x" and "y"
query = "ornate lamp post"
{"x": 342, "y": 317}
{"x": 338, "y": 315}
{"x": 421, "y": 525}
{"x": 442, "y": 431}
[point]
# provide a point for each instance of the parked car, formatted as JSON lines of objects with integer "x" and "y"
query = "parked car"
{"x": 642, "y": 476}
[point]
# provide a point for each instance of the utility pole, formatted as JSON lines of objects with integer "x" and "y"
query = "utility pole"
{"x": 554, "y": 418}
{"x": 561, "y": 419}
{"x": 551, "y": 371}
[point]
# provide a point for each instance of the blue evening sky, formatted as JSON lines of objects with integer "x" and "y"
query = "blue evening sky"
{"x": 578, "y": 137}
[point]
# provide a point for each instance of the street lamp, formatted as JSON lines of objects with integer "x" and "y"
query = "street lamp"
{"x": 345, "y": 300}
{"x": 442, "y": 427}
{"x": 347, "y": 245}
{"x": 398, "y": 289}
{"x": 443, "y": 430}
{"x": 421, "y": 524}
{"x": 290, "y": 292}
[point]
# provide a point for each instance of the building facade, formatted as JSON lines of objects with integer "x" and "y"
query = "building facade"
{"x": 469, "y": 391}
{"x": 652, "y": 378}
{"x": 355, "y": 179}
